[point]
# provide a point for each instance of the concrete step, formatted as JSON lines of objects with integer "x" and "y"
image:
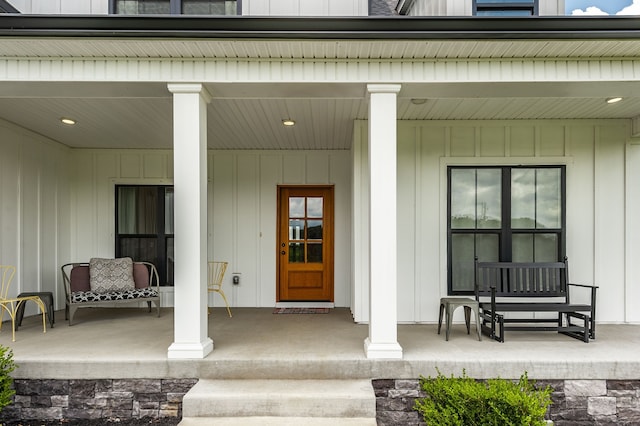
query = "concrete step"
{"x": 262, "y": 400}
{"x": 277, "y": 421}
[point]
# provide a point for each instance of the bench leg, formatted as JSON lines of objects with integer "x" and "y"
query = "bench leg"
{"x": 467, "y": 318}
{"x": 440, "y": 317}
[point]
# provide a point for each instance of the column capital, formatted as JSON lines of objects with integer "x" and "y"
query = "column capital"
{"x": 383, "y": 88}
{"x": 190, "y": 88}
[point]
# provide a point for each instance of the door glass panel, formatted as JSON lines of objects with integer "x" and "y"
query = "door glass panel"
{"x": 296, "y": 229}
{"x": 463, "y": 199}
{"x": 296, "y": 206}
{"x": 296, "y": 252}
{"x": 314, "y": 207}
{"x": 314, "y": 254}
{"x": 314, "y": 232}
{"x": 489, "y": 194}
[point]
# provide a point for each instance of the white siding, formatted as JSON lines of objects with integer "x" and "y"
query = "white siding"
{"x": 242, "y": 209}
{"x": 54, "y": 7}
{"x": 34, "y": 211}
{"x": 465, "y": 7}
{"x": 305, "y": 7}
{"x": 598, "y": 192}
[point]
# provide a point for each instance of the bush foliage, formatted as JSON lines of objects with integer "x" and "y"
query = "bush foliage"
{"x": 465, "y": 401}
{"x": 6, "y": 381}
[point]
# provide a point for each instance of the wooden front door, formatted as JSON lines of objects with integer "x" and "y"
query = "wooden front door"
{"x": 305, "y": 244}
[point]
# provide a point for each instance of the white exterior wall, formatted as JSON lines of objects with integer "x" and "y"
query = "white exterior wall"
{"x": 465, "y": 8}
{"x": 241, "y": 204}
{"x": 54, "y": 7}
{"x": 599, "y": 193}
{"x": 34, "y": 211}
{"x": 305, "y": 7}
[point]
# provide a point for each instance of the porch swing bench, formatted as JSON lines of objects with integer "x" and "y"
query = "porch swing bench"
{"x": 95, "y": 284}
{"x": 534, "y": 288}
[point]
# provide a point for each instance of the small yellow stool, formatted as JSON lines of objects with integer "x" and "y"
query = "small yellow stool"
{"x": 449, "y": 304}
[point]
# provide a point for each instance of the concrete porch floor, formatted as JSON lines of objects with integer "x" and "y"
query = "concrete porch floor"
{"x": 256, "y": 344}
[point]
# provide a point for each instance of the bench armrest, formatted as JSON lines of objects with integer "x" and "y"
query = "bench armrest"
{"x": 583, "y": 285}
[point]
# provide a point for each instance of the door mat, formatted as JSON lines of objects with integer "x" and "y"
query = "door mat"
{"x": 301, "y": 311}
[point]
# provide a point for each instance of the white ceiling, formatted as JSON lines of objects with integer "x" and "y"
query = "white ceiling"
{"x": 248, "y": 116}
{"x": 245, "y": 116}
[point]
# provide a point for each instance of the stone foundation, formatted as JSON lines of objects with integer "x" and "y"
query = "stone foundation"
{"x": 96, "y": 399}
{"x": 575, "y": 402}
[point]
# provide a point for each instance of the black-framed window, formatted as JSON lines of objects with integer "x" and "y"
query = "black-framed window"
{"x": 503, "y": 213}
{"x": 174, "y": 7}
{"x": 144, "y": 226}
{"x": 505, "y": 7}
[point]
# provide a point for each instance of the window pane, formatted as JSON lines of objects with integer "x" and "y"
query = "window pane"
{"x": 140, "y": 249}
{"x": 504, "y": 12}
{"x": 314, "y": 232}
{"x": 296, "y": 206}
{"x": 314, "y": 253}
{"x": 463, "y": 198}
{"x": 296, "y": 252}
{"x": 549, "y": 198}
{"x": 209, "y": 7}
{"x": 489, "y": 195}
{"x": 522, "y": 248}
{"x": 535, "y": 248}
{"x": 170, "y": 261}
{"x": 462, "y": 259}
{"x": 314, "y": 207}
{"x": 523, "y": 199}
{"x": 135, "y": 7}
{"x": 463, "y": 251}
{"x": 296, "y": 229}
{"x": 168, "y": 211}
{"x": 546, "y": 248}
{"x": 137, "y": 210}
{"x": 481, "y": 2}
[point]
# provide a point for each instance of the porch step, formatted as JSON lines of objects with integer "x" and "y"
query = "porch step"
{"x": 279, "y": 402}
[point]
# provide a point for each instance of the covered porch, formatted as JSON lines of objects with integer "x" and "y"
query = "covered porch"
{"x": 255, "y": 343}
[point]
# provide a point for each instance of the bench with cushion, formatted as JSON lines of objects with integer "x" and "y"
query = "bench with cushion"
{"x": 105, "y": 282}
{"x": 505, "y": 288}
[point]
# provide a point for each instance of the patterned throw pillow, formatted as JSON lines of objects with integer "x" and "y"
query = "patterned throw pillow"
{"x": 107, "y": 275}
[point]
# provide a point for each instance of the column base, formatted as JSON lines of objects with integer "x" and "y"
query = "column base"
{"x": 190, "y": 350}
{"x": 382, "y": 350}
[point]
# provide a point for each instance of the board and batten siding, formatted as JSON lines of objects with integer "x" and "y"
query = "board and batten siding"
{"x": 242, "y": 210}
{"x": 34, "y": 211}
{"x": 56, "y": 7}
{"x": 465, "y": 7}
{"x": 602, "y": 204}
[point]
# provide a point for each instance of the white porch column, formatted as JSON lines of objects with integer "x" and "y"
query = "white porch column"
{"x": 383, "y": 323}
{"x": 190, "y": 221}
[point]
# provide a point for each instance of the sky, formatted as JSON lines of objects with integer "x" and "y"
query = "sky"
{"x": 602, "y": 7}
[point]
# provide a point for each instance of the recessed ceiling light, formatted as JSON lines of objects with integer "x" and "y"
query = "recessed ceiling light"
{"x": 68, "y": 121}
{"x": 614, "y": 100}
{"x": 288, "y": 122}
{"x": 418, "y": 101}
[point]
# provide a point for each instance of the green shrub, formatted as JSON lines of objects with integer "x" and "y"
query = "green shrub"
{"x": 466, "y": 401}
{"x": 6, "y": 381}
